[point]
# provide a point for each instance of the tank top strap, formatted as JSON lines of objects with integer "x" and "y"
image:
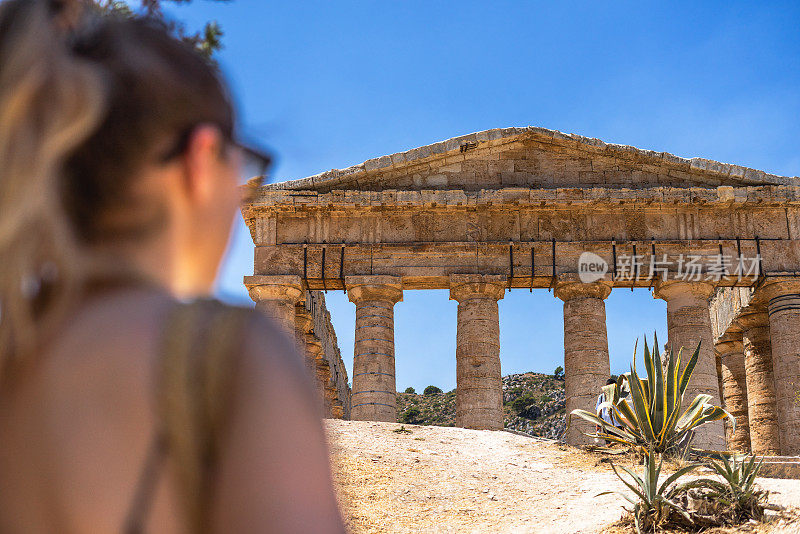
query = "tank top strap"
{"x": 202, "y": 343}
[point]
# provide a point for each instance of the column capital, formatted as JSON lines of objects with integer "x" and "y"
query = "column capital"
{"x": 683, "y": 291}
{"x": 286, "y": 288}
{"x": 776, "y": 286}
{"x": 374, "y": 287}
{"x": 752, "y": 317}
{"x": 569, "y": 287}
{"x": 314, "y": 344}
{"x": 465, "y": 286}
{"x": 303, "y": 320}
{"x": 729, "y": 343}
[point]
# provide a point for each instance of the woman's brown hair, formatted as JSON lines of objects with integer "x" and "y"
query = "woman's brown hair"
{"x": 85, "y": 105}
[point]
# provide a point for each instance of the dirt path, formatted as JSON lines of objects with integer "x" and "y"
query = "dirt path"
{"x": 438, "y": 479}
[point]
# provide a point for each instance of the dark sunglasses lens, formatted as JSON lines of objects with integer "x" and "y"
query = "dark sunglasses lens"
{"x": 254, "y": 164}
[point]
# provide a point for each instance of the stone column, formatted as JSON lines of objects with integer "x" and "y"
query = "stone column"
{"x": 479, "y": 389}
{"x": 304, "y": 327}
{"x": 315, "y": 361}
{"x": 734, "y": 390}
{"x": 374, "y": 392}
{"x": 276, "y": 296}
{"x": 586, "y": 362}
{"x": 689, "y": 323}
{"x": 325, "y": 386}
{"x": 783, "y": 301}
{"x": 764, "y": 434}
{"x": 337, "y": 410}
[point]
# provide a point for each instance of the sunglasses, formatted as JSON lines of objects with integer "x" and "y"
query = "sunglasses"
{"x": 256, "y": 162}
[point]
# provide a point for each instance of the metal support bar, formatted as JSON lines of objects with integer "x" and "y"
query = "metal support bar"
{"x": 341, "y": 270}
{"x": 323, "y": 270}
{"x": 652, "y": 264}
{"x": 305, "y": 264}
{"x": 553, "y": 272}
{"x": 722, "y": 255}
{"x": 614, "y": 257}
{"x": 533, "y": 264}
{"x": 510, "y": 265}
{"x": 758, "y": 253}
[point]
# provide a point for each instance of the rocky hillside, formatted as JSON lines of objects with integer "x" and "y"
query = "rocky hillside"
{"x": 532, "y": 402}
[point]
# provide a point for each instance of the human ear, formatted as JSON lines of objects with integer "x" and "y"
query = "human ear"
{"x": 201, "y": 161}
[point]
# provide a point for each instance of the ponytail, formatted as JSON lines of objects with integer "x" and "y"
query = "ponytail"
{"x": 50, "y": 103}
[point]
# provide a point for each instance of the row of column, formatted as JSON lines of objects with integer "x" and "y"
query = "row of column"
{"x": 479, "y": 387}
{"x": 479, "y": 395}
{"x": 281, "y": 299}
{"x": 749, "y": 366}
{"x": 760, "y": 356}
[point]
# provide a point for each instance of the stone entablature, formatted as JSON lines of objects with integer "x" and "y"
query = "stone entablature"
{"x": 438, "y": 233}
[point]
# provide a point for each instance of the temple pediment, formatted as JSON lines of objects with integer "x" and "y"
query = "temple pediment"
{"x": 531, "y": 157}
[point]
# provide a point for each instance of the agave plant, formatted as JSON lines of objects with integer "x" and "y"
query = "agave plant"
{"x": 648, "y": 411}
{"x": 654, "y": 503}
{"x": 738, "y": 491}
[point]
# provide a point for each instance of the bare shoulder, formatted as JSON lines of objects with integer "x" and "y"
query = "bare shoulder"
{"x": 271, "y": 357}
{"x": 274, "y": 474}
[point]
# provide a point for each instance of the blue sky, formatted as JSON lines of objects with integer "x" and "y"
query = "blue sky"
{"x": 331, "y": 84}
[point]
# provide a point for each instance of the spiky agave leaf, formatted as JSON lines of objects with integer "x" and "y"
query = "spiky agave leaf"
{"x": 638, "y": 489}
{"x": 689, "y": 369}
{"x": 675, "y": 476}
{"x": 655, "y": 499}
{"x": 653, "y": 415}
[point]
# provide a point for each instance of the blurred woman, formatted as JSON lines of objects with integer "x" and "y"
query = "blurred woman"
{"x": 130, "y": 402}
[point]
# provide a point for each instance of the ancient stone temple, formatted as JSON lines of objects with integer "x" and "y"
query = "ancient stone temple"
{"x": 560, "y": 216}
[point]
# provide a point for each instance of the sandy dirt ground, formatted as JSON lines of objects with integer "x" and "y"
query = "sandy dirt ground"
{"x": 438, "y": 479}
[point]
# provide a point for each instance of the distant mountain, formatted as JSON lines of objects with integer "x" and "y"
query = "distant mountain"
{"x": 532, "y": 403}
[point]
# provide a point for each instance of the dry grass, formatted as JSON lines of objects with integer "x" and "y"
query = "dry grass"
{"x": 787, "y": 522}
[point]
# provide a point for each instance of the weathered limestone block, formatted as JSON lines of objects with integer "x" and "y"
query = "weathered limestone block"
{"x": 303, "y": 327}
{"x": 325, "y": 387}
{"x": 783, "y": 297}
{"x": 689, "y": 323}
{"x": 726, "y": 305}
{"x": 337, "y": 410}
{"x": 479, "y": 390}
{"x": 374, "y": 390}
{"x": 734, "y": 390}
{"x": 764, "y": 430}
{"x": 316, "y": 362}
{"x": 277, "y": 296}
{"x": 586, "y": 362}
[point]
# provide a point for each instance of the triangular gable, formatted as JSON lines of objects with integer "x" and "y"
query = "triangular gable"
{"x": 531, "y": 157}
